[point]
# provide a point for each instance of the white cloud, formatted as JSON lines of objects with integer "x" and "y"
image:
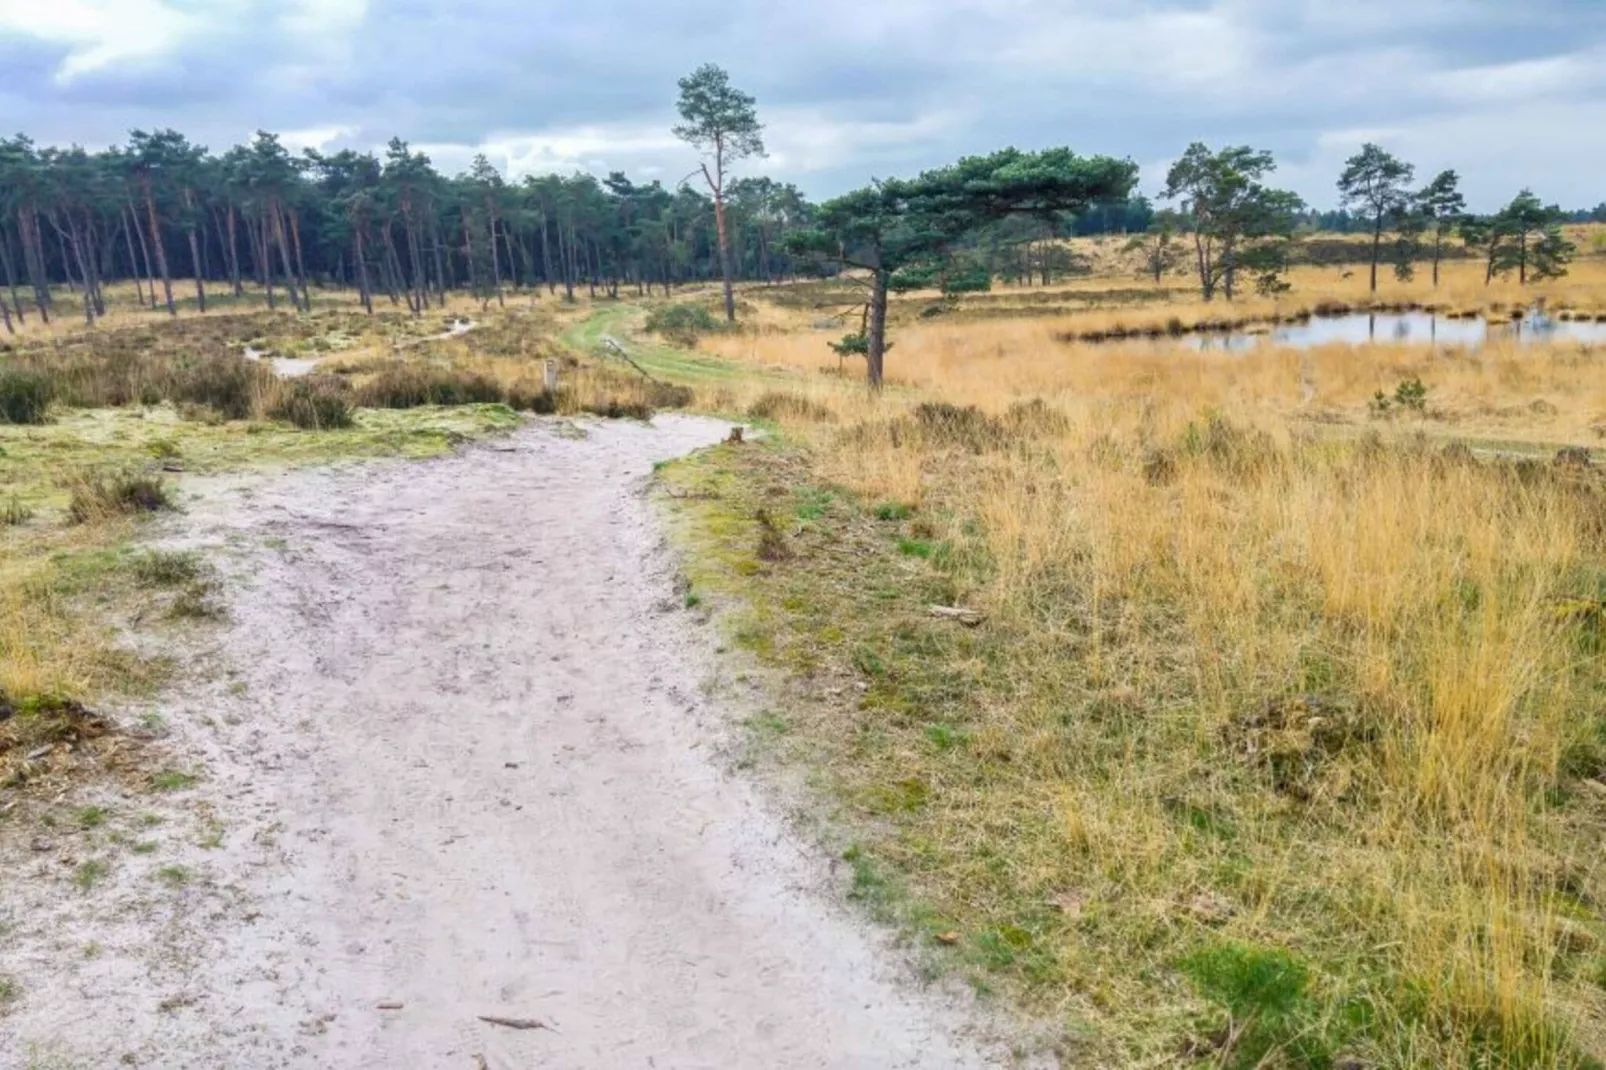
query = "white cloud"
{"x": 103, "y": 34}
{"x": 805, "y": 140}
{"x": 317, "y": 138}
{"x": 596, "y": 148}
{"x": 99, "y": 33}
{"x": 1550, "y": 76}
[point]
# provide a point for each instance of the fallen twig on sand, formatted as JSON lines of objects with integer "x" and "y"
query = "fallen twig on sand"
{"x": 516, "y": 1023}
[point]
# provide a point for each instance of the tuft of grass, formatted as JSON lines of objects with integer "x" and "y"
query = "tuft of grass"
{"x": 683, "y": 323}
{"x": 916, "y": 547}
{"x": 90, "y": 817}
{"x": 412, "y": 386}
{"x": 1265, "y": 994}
{"x": 13, "y": 513}
{"x": 197, "y": 602}
{"x": 172, "y": 780}
{"x": 89, "y": 873}
{"x": 24, "y": 397}
{"x": 322, "y": 405}
{"x": 175, "y": 876}
{"x": 893, "y": 511}
{"x": 101, "y": 497}
{"x": 789, "y": 406}
{"x": 168, "y": 568}
{"x": 771, "y": 542}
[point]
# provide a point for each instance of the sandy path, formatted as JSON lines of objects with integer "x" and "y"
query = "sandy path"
{"x": 470, "y": 769}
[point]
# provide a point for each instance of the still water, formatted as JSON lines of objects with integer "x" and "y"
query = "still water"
{"x": 1404, "y": 328}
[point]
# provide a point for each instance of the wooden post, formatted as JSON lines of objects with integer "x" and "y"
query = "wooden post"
{"x": 550, "y": 381}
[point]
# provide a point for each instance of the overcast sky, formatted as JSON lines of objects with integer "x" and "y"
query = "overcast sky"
{"x": 1510, "y": 92}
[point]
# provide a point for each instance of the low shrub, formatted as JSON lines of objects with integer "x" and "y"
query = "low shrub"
{"x": 619, "y": 408}
{"x": 956, "y": 425}
{"x": 24, "y": 397}
{"x": 682, "y": 320}
{"x": 231, "y": 385}
{"x": 780, "y": 405}
{"x": 14, "y": 512}
{"x": 101, "y": 497}
{"x": 167, "y": 568}
{"x": 669, "y": 396}
{"x": 542, "y": 402}
{"x": 412, "y": 386}
{"x": 315, "y": 406}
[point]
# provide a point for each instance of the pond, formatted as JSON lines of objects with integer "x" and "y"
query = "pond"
{"x": 1402, "y": 328}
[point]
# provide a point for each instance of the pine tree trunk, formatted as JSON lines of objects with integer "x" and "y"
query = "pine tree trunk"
{"x": 96, "y": 258}
{"x": 724, "y": 253}
{"x": 440, "y": 265}
{"x": 33, "y": 255}
{"x": 206, "y": 251}
{"x": 362, "y": 273}
{"x": 568, "y": 266}
{"x": 301, "y": 270}
{"x": 234, "y": 255}
{"x": 496, "y": 260}
{"x": 77, "y": 246}
{"x": 61, "y": 252}
{"x": 876, "y": 329}
{"x": 145, "y": 254}
{"x": 133, "y": 261}
{"x": 281, "y": 242}
{"x": 156, "y": 243}
{"x": 393, "y": 268}
{"x": 195, "y": 253}
{"x": 259, "y": 253}
{"x": 1377, "y": 248}
{"x": 546, "y": 259}
{"x": 468, "y": 251}
{"x": 11, "y": 276}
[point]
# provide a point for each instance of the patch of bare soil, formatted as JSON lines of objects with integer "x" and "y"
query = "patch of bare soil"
{"x": 462, "y": 802}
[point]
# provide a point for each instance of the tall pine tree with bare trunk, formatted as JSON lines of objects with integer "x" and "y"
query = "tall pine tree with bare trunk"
{"x": 1377, "y": 184}
{"x": 722, "y": 123}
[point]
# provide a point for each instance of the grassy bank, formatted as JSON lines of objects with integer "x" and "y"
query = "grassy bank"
{"x": 1273, "y": 746}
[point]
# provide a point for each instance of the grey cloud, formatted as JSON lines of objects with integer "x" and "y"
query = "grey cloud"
{"x": 853, "y": 89}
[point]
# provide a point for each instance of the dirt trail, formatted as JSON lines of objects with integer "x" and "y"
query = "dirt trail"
{"x": 470, "y": 770}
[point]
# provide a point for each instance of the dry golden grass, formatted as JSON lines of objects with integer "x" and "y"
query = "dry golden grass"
{"x": 1546, "y": 394}
{"x": 1261, "y": 669}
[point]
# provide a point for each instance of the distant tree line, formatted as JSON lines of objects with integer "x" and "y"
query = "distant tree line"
{"x": 1230, "y": 225}
{"x": 391, "y": 227}
{"x": 188, "y": 226}
{"x": 1341, "y": 221}
{"x": 168, "y": 214}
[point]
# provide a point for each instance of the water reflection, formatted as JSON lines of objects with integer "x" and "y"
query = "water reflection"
{"x": 1402, "y": 328}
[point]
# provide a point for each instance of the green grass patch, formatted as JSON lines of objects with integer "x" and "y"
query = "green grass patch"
{"x": 89, "y": 873}
{"x": 172, "y": 780}
{"x": 92, "y": 817}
